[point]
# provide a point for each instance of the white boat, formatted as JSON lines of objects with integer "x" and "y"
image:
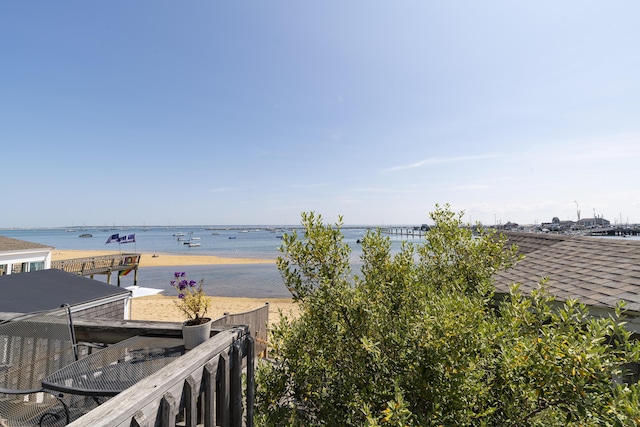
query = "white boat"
{"x": 193, "y": 244}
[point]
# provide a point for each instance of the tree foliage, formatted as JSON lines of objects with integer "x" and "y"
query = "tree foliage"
{"x": 417, "y": 338}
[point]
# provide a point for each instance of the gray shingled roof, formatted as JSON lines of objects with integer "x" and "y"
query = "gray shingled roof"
{"x": 595, "y": 271}
{"x": 7, "y": 244}
{"x": 49, "y": 289}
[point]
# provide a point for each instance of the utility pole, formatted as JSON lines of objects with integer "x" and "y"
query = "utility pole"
{"x": 577, "y": 210}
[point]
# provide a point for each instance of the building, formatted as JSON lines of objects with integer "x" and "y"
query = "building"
{"x": 39, "y": 287}
{"x": 17, "y": 256}
{"x": 598, "y": 221}
{"x": 558, "y": 225}
{"x": 597, "y": 272}
{"x": 49, "y": 289}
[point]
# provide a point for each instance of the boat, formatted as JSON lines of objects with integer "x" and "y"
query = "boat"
{"x": 193, "y": 244}
{"x": 86, "y": 235}
{"x": 178, "y": 234}
{"x": 196, "y": 238}
{"x": 232, "y": 237}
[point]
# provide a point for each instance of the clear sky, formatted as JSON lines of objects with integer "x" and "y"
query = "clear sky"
{"x": 251, "y": 112}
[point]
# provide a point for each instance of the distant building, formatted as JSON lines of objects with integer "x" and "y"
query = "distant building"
{"x": 18, "y": 256}
{"x": 558, "y": 225}
{"x": 508, "y": 226}
{"x": 598, "y": 221}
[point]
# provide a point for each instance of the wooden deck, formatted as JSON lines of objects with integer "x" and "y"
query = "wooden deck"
{"x": 121, "y": 264}
{"x": 203, "y": 387}
{"x": 211, "y": 385}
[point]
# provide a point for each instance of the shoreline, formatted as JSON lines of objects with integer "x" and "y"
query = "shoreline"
{"x": 161, "y": 307}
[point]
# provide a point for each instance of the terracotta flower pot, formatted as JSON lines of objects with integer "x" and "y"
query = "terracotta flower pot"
{"x": 194, "y": 335}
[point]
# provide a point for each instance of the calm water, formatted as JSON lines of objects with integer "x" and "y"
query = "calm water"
{"x": 250, "y": 280}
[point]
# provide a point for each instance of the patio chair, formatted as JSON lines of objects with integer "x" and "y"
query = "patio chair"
{"x": 33, "y": 346}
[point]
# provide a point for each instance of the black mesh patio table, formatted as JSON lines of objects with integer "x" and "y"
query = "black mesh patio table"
{"x": 117, "y": 367}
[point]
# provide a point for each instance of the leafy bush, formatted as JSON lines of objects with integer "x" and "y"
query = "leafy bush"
{"x": 417, "y": 338}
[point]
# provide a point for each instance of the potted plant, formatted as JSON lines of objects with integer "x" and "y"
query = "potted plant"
{"x": 193, "y": 302}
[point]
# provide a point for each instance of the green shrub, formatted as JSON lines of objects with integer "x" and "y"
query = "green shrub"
{"x": 417, "y": 338}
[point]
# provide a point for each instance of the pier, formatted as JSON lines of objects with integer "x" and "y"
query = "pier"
{"x": 614, "y": 231}
{"x": 122, "y": 264}
{"x": 405, "y": 231}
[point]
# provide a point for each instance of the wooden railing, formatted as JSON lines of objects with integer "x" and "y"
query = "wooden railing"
{"x": 97, "y": 264}
{"x": 257, "y": 320}
{"x": 202, "y": 387}
{"x": 103, "y": 264}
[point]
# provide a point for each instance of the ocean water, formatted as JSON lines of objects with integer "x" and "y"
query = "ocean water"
{"x": 247, "y": 280}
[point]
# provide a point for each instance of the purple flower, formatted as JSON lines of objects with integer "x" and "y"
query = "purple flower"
{"x": 193, "y": 299}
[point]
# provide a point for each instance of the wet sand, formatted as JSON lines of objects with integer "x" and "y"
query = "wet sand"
{"x": 163, "y": 308}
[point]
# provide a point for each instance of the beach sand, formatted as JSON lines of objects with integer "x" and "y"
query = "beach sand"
{"x": 161, "y": 260}
{"x": 163, "y": 308}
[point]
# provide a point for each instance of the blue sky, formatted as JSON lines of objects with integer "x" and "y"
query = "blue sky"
{"x": 251, "y": 112}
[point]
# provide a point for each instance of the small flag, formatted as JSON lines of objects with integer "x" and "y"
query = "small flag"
{"x": 129, "y": 238}
{"x": 113, "y": 238}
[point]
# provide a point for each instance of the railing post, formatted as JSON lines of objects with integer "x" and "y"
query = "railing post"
{"x": 265, "y": 337}
{"x": 250, "y": 344}
{"x": 168, "y": 410}
{"x": 222, "y": 391}
{"x": 190, "y": 402}
{"x": 139, "y": 420}
{"x": 236, "y": 385}
{"x": 209, "y": 381}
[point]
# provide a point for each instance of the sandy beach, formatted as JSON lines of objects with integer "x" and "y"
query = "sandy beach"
{"x": 163, "y": 308}
{"x": 161, "y": 259}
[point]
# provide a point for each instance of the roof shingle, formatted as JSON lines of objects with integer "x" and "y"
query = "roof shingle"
{"x": 595, "y": 271}
{"x": 8, "y": 244}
